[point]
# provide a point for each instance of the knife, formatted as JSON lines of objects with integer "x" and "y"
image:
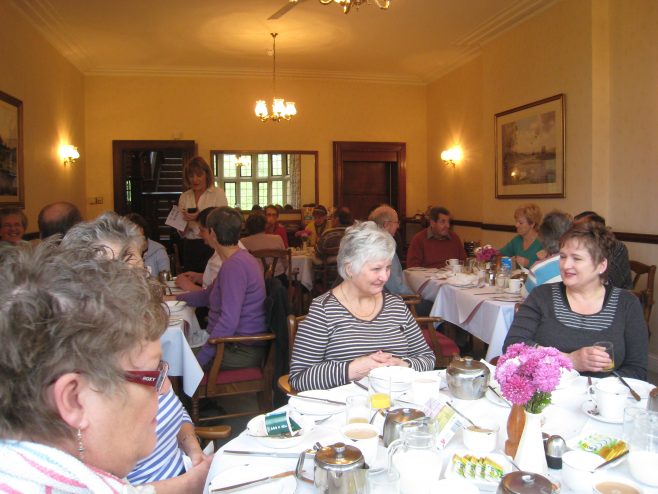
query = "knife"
{"x": 262, "y": 453}
{"x": 633, "y": 392}
{"x": 493, "y": 390}
{"x": 606, "y": 463}
{"x": 254, "y": 482}
{"x": 313, "y": 398}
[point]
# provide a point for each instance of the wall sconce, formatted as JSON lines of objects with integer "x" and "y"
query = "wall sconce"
{"x": 69, "y": 154}
{"x": 452, "y": 156}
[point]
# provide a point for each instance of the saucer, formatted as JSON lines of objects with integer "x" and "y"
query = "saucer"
{"x": 510, "y": 292}
{"x": 589, "y": 408}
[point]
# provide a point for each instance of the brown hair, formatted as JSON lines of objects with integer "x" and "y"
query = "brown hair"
{"x": 197, "y": 166}
{"x": 530, "y": 212}
{"x": 595, "y": 238}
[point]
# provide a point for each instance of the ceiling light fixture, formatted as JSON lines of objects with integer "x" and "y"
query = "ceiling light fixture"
{"x": 281, "y": 109}
{"x": 348, "y": 4}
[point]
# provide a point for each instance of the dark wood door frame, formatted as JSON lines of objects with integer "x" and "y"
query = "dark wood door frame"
{"x": 393, "y": 152}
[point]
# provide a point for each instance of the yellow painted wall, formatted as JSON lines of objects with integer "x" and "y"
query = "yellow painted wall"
{"x": 218, "y": 114}
{"x": 52, "y": 92}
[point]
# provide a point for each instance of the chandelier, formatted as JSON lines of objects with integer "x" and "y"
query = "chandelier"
{"x": 348, "y": 4}
{"x": 281, "y": 109}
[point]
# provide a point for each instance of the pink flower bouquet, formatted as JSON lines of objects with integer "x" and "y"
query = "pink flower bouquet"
{"x": 303, "y": 234}
{"x": 527, "y": 375}
{"x": 485, "y": 253}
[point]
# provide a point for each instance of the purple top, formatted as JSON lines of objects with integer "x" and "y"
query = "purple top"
{"x": 236, "y": 300}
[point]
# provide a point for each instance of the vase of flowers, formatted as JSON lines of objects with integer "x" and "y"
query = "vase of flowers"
{"x": 527, "y": 376}
{"x": 304, "y": 236}
{"x": 485, "y": 256}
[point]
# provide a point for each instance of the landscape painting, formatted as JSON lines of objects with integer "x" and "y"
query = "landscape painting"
{"x": 11, "y": 151}
{"x": 530, "y": 150}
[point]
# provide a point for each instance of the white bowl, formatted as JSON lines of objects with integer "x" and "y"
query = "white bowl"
{"x": 401, "y": 377}
{"x": 483, "y": 440}
{"x": 577, "y": 468}
{"x": 608, "y": 477}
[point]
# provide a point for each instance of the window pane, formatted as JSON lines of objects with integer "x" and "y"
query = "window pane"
{"x": 277, "y": 165}
{"x": 230, "y": 170}
{"x": 244, "y": 164}
{"x": 262, "y": 194}
{"x": 262, "y": 165}
{"x": 246, "y": 195}
{"x": 277, "y": 192}
{"x": 229, "y": 188}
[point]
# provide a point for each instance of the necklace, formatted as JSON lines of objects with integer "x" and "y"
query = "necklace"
{"x": 351, "y": 307}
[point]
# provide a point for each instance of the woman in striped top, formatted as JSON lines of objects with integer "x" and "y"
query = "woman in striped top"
{"x": 583, "y": 309}
{"x": 356, "y": 327}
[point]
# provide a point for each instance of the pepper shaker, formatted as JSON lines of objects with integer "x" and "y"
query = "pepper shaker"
{"x": 555, "y": 448}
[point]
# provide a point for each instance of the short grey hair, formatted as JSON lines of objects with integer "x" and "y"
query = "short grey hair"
{"x": 107, "y": 228}
{"x": 382, "y": 214}
{"x": 554, "y": 225}
{"x": 226, "y": 223}
{"x": 363, "y": 242}
{"x": 64, "y": 311}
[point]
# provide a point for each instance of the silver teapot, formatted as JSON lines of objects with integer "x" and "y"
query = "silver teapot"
{"x": 395, "y": 419}
{"x": 338, "y": 469}
{"x": 467, "y": 378}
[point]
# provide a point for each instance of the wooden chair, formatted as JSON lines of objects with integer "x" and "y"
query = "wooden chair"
{"x": 211, "y": 433}
{"x": 270, "y": 259}
{"x": 444, "y": 348}
{"x": 325, "y": 269}
{"x": 412, "y": 301}
{"x": 293, "y": 321}
{"x": 218, "y": 383}
{"x": 645, "y": 295}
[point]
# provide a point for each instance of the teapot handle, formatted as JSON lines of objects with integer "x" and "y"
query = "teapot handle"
{"x": 299, "y": 469}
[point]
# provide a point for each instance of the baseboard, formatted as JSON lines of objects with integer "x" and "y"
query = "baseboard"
{"x": 653, "y": 363}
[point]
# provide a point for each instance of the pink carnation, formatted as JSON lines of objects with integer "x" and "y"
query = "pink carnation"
{"x": 303, "y": 233}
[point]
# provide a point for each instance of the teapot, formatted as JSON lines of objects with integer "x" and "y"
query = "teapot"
{"x": 415, "y": 457}
{"x": 164, "y": 277}
{"x": 394, "y": 421}
{"x": 467, "y": 378}
{"x": 526, "y": 483}
{"x": 338, "y": 469}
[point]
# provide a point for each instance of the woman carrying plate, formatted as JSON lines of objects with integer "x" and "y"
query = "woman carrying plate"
{"x": 357, "y": 326}
{"x": 584, "y": 309}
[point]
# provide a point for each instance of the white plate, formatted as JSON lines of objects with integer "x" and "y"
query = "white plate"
{"x": 460, "y": 485}
{"x": 245, "y": 473}
{"x": 174, "y": 321}
{"x": 483, "y": 485}
{"x": 589, "y": 407}
{"x": 281, "y": 442}
{"x": 493, "y": 398}
{"x": 309, "y": 407}
{"x": 510, "y": 292}
{"x": 568, "y": 378}
{"x": 642, "y": 388}
{"x": 573, "y": 444}
{"x": 175, "y": 305}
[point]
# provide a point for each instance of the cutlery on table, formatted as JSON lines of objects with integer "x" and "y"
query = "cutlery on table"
{"x": 360, "y": 385}
{"x": 254, "y": 482}
{"x": 462, "y": 415}
{"x": 493, "y": 390}
{"x": 261, "y": 453}
{"x": 606, "y": 463}
{"x": 623, "y": 381}
{"x": 487, "y": 293}
{"x": 313, "y": 398}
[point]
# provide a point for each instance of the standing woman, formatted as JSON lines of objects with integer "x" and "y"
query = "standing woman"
{"x": 526, "y": 244}
{"x": 200, "y": 194}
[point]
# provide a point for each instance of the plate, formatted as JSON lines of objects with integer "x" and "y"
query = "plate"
{"x": 591, "y": 437}
{"x": 589, "y": 407}
{"x": 493, "y": 398}
{"x": 567, "y": 378}
{"x": 281, "y": 442}
{"x": 642, "y": 388}
{"x": 245, "y": 473}
{"x": 460, "y": 485}
{"x": 308, "y": 407}
{"x": 175, "y": 305}
{"x": 174, "y": 321}
{"x": 483, "y": 485}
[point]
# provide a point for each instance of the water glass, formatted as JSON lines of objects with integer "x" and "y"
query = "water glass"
{"x": 383, "y": 481}
{"x": 357, "y": 409}
{"x": 609, "y": 348}
{"x": 630, "y": 416}
{"x": 379, "y": 392}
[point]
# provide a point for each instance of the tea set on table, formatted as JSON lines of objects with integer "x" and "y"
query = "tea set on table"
{"x": 364, "y": 445}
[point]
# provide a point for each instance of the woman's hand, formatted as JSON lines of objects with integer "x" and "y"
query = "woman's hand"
{"x": 187, "y": 281}
{"x": 522, "y": 261}
{"x": 190, "y": 216}
{"x": 590, "y": 359}
{"x": 196, "y": 476}
{"x": 398, "y": 361}
{"x": 361, "y": 366}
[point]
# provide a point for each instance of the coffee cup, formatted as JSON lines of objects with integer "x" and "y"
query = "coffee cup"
{"x": 425, "y": 387}
{"x": 610, "y": 397}
{"x": 607, "y": 483}
{"x": 514, "y": 285}
{"x": 453, "y": 262}
{"x": 365, "y": 437}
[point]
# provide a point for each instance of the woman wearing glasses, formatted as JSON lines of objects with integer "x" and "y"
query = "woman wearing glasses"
{"x": 115, "y": 237}
{"x": 79, "y": 379}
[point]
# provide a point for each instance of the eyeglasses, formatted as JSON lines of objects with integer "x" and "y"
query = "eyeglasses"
{"x": 154, "y": 378}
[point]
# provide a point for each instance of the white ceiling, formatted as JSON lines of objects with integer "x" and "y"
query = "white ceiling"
{"x": 414, "y": 41}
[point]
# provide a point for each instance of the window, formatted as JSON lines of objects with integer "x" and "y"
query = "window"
{"x": 249, "y": 179}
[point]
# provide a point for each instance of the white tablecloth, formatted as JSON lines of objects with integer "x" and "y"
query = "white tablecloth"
{"x": 177, "y": 351}
{"x": 303, "y": 265}
{"x": 564, "y": 417}
{"x": 485, "y": 318}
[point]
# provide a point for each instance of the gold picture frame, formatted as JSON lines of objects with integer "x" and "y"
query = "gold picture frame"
{"x": 11, "y": 151}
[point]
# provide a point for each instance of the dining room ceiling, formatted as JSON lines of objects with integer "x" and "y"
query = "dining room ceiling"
{"x": 414, "y": 41}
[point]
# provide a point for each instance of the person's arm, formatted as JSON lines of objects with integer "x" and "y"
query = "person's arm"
{"x": 508, "y": 249}
{"x": 636, "y": 340}
{"x": 162, "y": 259}
{"x": 395, "y": 283}
{"x": 200, "y": 298}
{"x": 525, "y": 324}
{"x": 188, "y": 442}
{"x": 415, "y": 256}
{"x": 192, "y": 482}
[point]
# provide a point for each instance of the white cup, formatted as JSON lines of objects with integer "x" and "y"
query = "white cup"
{"x": 610, "y": 398}
{"x": 453, "y": 262}
{"x": 365, "y": 437}
{"x": 609, "y": 483}
{"x": 577, "y": 468}
{"x": 425, "y": 387}
{"x": 456, "y": 268}
{"x": 483, "y": 438}
{"x": 514, "y": 285}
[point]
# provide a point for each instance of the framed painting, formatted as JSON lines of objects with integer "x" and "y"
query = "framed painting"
{"x": 11, "y": 151}
{"x": 529, "y": 143}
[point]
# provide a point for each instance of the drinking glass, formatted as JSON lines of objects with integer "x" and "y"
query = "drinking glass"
{"x": 630, "y": 416}
{"x": 610, "y": 350}
{"x": 357, "y": 409}
{"x": 383, "y": 481}
{"x": 643, "y": 456}
{"x": 379, "y": 391}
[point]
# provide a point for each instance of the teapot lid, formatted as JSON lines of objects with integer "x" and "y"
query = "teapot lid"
{"x": 525, "y": 483}
{"x": 467, "y": 365}
{"x": 405, "y": 414}
{"x": 339, "y": 457}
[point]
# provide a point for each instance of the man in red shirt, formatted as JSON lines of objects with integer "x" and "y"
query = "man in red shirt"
{"x": 431, "y": 247}
{"x": 273, "y": 226}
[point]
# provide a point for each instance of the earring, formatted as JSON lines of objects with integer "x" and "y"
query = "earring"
{"x": 81, "y": 447}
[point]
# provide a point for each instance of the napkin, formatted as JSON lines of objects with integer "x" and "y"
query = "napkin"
{"x": 461, "y": 279}
{"x": 208, "y": 450}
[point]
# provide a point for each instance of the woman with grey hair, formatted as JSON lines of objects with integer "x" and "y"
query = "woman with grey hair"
{"x": 111, "y": 235}
{"x": 547, "y": 270}
{"x": 357, "y": 326}
{"x": 79, "y": 379}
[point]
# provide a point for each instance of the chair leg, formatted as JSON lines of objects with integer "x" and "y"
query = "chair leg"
{"x": 195, "y": 409}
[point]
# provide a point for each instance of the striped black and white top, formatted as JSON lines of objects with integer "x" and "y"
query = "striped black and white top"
{"x": 592, "y": 322}
{"x": 331, "y": 337}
